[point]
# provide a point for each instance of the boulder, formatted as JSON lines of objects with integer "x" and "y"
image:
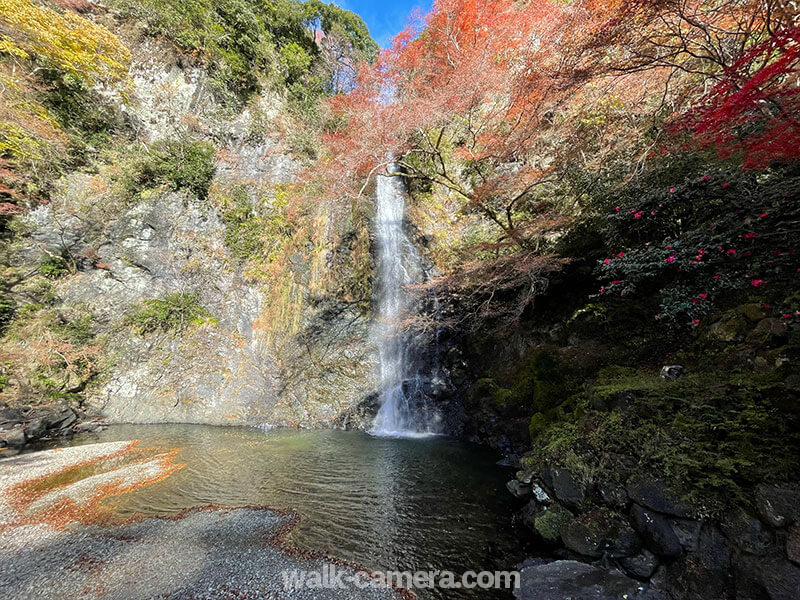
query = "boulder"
{"x": 745, "y": 532}
{"x": 752, "y": 311}
{"x": 578, "y": 581}
{"x": 687, "y": 532}
{"x": 59, "y": 417}
{"x": 656, "y": 531}
{"x": 10, "y": 417}
{"x": 672, "y": 372}
{"x": 778, "y": 506}
{"x": 518, "y": 489}
{"x": 641, "y": 566}
{"x": 768, "y": 331}
{"x": 730, "y": 328}
{"x": 705, "y": 573}
{"x": 546, "y": 521}
{"x": 35, "y": 429}
{"x": 793, "y": 544}
{"x": 655, "y": 495}
{"x": 566, "y": 486}
{"x": 13, "y": 437}
{"x": 780, "y": 578}
{"x": 601, "y": 533}
{"x": 613, "y": 495}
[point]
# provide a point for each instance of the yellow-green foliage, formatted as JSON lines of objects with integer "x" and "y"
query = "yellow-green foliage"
{"x": 62, "y": 40}
{"x": 174, "y": 313}
{"x": 48, "y": 353}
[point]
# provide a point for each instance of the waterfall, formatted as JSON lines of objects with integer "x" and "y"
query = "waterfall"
{"x": 403, "y": 410}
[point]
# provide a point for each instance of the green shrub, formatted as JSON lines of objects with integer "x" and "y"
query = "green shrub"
{"x": 174, "y": 313}
{"x": 53, "y": 267}
{"x": 176, "y": 164}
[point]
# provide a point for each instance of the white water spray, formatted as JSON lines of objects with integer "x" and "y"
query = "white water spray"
{"x": 399, "y": 265}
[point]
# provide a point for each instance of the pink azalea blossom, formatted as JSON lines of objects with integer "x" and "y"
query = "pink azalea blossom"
{"x": 717, "y": 277}
{"x": 757, "y": 282}
{"x": 787, "y": 316}
{"x": 652, "y": 213}
{"x": 667, "y": 247}
{"x": 671, "y": 190}
{"x": 670, "y": 259}
{"x": 616, "y": 282}
{"x": 749, "y": 236}
{"x": 638, "y": 215}
{"x": 621, "y": 254}
{"x": 762, "y": 215}
{"x": 607, "y": 261}
{"x": 696, "y": 322}
{"x": 725, "y": 185}
{"x": 695, "y": 301}
{"x": 617, "y": 209}
{"x": 703, "y": 295}
{"x": 731, "y": 252}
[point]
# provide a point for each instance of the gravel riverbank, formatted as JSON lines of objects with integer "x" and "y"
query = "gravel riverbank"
{"x": 220, "y": 553}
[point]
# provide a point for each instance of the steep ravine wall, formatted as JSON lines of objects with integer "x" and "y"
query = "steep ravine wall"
{"x": 237, "y": 367}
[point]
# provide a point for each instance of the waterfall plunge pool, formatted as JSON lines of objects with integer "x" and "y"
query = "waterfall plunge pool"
{"x": 382, "y": 502}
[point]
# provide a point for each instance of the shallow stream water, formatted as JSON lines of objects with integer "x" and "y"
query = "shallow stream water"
{"x": 385, "y": 503}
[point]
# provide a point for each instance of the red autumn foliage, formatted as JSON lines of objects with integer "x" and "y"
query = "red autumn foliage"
{"x": 755, "y": 110}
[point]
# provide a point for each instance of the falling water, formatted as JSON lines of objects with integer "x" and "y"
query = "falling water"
{"x": 402, "y": 410}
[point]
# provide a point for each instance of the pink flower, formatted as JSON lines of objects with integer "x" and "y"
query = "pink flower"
{"x": 787, "y": 316}
{"x": 720, "y": 248}
{"x": 695, "y": 261}
{"x": 701, "y": 252}
{"x": 638, "y": 215}
{"x": 749, "y": 236}
{"x": 616, "y": 282}
{"x": 702, "y": 295}
{"x": 696, "y": 322}
{"x": 602, "y": 289}
{"x": 757, "y": 282}
{"x": 695, "y": 301}
{"x": 621, "y": 254}
{"x": 670, "y": 259}
{"x": 725, "y": 185}
{"x": 607, "y": 261}
{"x": 617, "y": 209}
{"x": 716, "y": 277}
{"x": 652, "y": 213}
{"x": 633, "y": 210}
{"x": 671, "y": 190}
{"x": 762, "y": 215}
{"x": 731, "y": 252}
{"x": 667, "y": 247}
{"x": 655, "y": 317}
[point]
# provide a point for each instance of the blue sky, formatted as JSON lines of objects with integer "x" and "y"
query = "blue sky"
{"x": 385, "y": 18}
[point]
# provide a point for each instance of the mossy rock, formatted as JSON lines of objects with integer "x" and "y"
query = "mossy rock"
{"x": 730, "y": 328}
{"x": 538, "y": 425}
{"x": 487, "y": 391}
{"x": 752, "y": 311}
{"x": 552, "y": 522}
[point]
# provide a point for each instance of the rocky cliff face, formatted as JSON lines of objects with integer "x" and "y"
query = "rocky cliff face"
{"x": 240, "y": 365}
